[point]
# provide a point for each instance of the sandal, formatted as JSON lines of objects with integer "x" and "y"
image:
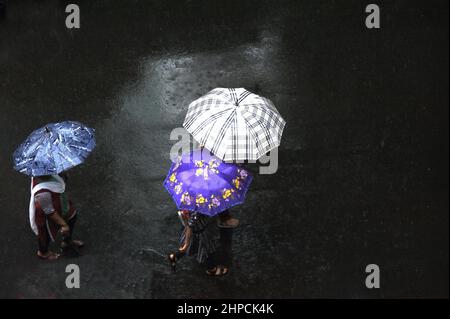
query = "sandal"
{"x": 217, "y": 271}
{"x": 212, "y": 271}
{"x": 172, "y": 260}
{"x": 78, "y": 243}
{"x": 51, "y": 256}
{"x": 225, "y": 270}
{"x": 228, "y": 222}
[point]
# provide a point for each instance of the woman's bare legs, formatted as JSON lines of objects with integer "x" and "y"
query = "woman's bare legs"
{"x": 174, "y": 257}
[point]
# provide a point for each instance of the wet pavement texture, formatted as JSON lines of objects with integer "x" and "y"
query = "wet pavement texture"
{"x": 363, "y": 163}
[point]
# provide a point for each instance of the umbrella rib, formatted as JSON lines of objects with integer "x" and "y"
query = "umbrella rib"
{"x": 206, "y": 136}
{"x": 54, "y": 148}
{"x": 222, "y": 93}
{"x": 263, "y": 123}
{"x": 221, "y": 178}
{"x": 187, "y": 124}
{"x": 209, "y": 120}
{"x": 222, "y": 132}
{"x": 213, "y": 98}
{"x": 234, "y": 99}
{"x": 265, "y": 108}
{"x": 244, "y": 96}
{"x": 253, "y": 133}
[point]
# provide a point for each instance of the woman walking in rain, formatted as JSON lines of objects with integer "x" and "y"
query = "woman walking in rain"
{"x": 204, "y": 188}
{"x": 45, "y": 155}
{"x": 203, "y": 239}
{"x": 51, "y": 211}
{"x": 235, "y": 125}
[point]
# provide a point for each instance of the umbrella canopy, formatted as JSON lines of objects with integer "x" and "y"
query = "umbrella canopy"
{"x": 201, "y": 182}
{"x": 235, "y": 124}
{"x": 54, "y": 148}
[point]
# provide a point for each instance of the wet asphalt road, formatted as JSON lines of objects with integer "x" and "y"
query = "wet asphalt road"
{"x": 363, "y": 165}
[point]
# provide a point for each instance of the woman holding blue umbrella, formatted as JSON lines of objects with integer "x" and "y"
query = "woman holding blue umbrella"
{"x": 45, "y": 156}
{"x": 203, "y": 187}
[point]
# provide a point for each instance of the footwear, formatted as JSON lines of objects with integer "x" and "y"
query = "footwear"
{"x": 48, "y": 256}
{"x": 172, "y": 260}
{"x": 217, "y": 271}
{"x": 228, "y": 223}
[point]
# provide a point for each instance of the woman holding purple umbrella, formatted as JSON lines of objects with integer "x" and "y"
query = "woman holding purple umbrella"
{"x": 202, "y": 239}
{"x": 204, "y": 188}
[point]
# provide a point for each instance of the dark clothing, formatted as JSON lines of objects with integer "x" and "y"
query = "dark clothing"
{"x": 48, "y": 203}
{"x": 222, "y": 255}
{"x": 44, "y": 236}
{"x": 210, "y": 244}
{"x": 205, "y": 237}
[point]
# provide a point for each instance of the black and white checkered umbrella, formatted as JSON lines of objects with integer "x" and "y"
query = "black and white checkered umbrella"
{"x": 235, "y": 124}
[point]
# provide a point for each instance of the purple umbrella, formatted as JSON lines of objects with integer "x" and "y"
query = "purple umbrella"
{"x": 201, "y": 182}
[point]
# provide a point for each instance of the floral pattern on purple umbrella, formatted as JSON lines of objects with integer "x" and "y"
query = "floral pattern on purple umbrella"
{"x": 201, "y": 182}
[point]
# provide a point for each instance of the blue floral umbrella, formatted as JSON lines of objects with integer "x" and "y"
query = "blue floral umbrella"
{"x": 201, "y": 182}
{"x": 54, "y": 148}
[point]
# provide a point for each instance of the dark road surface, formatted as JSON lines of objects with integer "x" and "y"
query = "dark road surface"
{"x": 363, "y": 163}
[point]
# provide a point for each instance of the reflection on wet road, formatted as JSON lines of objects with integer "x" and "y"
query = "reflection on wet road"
{"x": 360, "y": 178}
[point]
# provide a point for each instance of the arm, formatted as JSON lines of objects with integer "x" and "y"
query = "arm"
{"x": 184, "y": 215}
{"x": 57, "y": 219}
{"x": 187, "y": 240}
{"x": 44, "y": 201}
